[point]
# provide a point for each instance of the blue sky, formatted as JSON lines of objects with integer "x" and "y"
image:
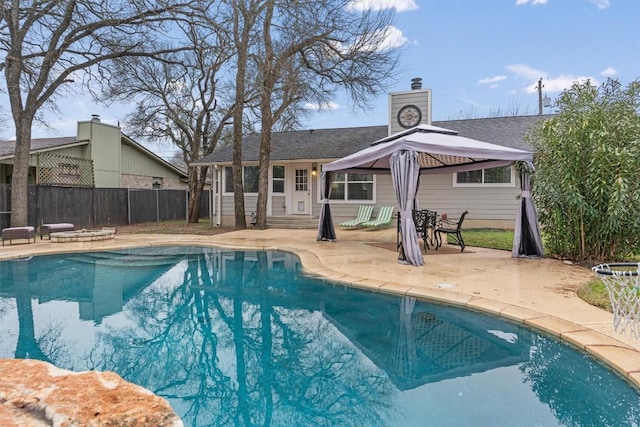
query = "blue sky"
{"x": 477, "y": 56}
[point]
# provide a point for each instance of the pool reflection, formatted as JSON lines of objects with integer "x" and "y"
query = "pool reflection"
{"x": 243, "y": 338}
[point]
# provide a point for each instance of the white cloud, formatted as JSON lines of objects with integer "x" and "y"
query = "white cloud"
{"x": 534, "y": 2}
{"x": 393, "y": 38}
{"x": 321, "y": 107}
{"x": 494, "y": 79}
{"x": 551, "y": 84}
{"x": 526, "y": 72}
{"x": 398, "y": 5}
{"x": 601, "y": 4}
{"x": 390, "y": 38}
{"x": 560, "y": 83}
{"x": 608, "y": 72}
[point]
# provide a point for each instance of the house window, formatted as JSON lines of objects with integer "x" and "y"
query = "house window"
{"x": 494, "y": 177}
{"x": 250, "y": 179}
{"x": 301, "y": 180}
{"x": 277, "y": 181}
{"x": 352, "y": 187}
{"x": 228, "y": 179}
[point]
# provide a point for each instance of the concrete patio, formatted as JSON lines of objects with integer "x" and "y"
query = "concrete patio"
{"x": 540, "y": 293}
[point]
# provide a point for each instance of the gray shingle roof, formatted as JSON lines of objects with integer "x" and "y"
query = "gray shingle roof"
{"x": 8, "y": 148}
{"x": 340, "y": 142}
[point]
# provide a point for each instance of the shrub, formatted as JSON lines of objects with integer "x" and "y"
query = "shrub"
{"x": 587, "y": 185}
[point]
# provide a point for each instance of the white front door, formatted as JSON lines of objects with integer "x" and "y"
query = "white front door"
{"x": 301, "y": 199}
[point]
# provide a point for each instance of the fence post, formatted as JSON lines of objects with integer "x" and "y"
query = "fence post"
{"x": 128, "y": 206}
{"x": 186, "y": 208}
{"x": 157, "y": 206}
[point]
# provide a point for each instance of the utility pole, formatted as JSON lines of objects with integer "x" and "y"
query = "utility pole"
{"x": 539, "y": 87}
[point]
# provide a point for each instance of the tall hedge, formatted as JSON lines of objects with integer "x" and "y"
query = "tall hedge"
{"x": 587, "y": 179}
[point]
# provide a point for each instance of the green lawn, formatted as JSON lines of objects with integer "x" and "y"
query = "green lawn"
{"x": 596, "y": 294}
{"x": 488, "y": 238}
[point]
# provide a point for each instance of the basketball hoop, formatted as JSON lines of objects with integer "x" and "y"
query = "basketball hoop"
{"x": 623, "y": 285}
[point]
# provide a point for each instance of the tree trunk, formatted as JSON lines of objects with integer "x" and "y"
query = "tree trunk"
{"x": 265, "y": 151}
{"x": 197, "y": 180}
{"x": 22, "y": 119}
{"x": 20, "y": 176}
{"x": 268, "y": 83}
{"x": 242, "y": 43}
{"x": 263, "y": 180}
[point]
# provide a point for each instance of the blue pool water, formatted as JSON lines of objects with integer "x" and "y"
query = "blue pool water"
{"x": 243, "y": 338}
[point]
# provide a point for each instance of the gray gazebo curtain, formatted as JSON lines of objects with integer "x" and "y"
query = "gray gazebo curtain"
{"x": 526, "y": 238}
{"x": 404, "y": 355}
{"x": 326, "y": 230}
{"x": 405, "y": 171}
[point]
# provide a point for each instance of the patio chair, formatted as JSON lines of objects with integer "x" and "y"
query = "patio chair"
{"x": 384, "y": 218}
{"x": 364, "y": 215}
{"x": 425, "y": 222}
{"x": 450, "y": 228}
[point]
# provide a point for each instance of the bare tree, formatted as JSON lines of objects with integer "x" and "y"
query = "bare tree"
{"x": 245, "y": 15}
{"x": 48, "y": 44}
{"x": 308, "y": 50}
{"x": 177, "y": 159}
{"x": 513, "y": 109}
{"x": 179, "y": 98}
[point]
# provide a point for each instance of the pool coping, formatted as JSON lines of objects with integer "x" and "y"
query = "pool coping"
{"x": 315, "y": 257}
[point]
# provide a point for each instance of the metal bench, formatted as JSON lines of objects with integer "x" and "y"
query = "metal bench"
{"x": 13, "y": 233}
{"x": 47, "y": 229}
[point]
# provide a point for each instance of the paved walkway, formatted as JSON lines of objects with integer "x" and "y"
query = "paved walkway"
{"x": 540, "y": 293}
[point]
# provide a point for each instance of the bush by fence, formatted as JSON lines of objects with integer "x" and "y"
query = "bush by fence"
{"x": 98, "y": 207}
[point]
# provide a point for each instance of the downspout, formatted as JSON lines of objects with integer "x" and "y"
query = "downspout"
{"x": 219, "y": 195}
{"x": 212, "y": 195}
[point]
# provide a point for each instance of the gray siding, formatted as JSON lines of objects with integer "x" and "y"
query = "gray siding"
{"x": 483, "y": 203}
{"x": 134, "y": 162}
{"x": 277, "y": 205}
{"x": 496, "y": 204}
{"x": 487, "y": 206}
{"x": 419, "y": 98}
{"x": 76, "y": 151}
{"x": 250, "y": 203}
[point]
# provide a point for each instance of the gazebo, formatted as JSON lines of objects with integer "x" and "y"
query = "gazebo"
{"x": 427, "y": 149}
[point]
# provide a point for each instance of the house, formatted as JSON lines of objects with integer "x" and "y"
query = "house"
{"x": 99, "y": 156}
{"x": 490, "y": 196}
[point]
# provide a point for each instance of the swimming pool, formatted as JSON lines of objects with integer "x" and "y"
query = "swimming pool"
{"x": 243, "y": 338}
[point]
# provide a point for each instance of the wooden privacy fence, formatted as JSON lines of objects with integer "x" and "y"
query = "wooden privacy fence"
{"x": 97, "y": 207}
